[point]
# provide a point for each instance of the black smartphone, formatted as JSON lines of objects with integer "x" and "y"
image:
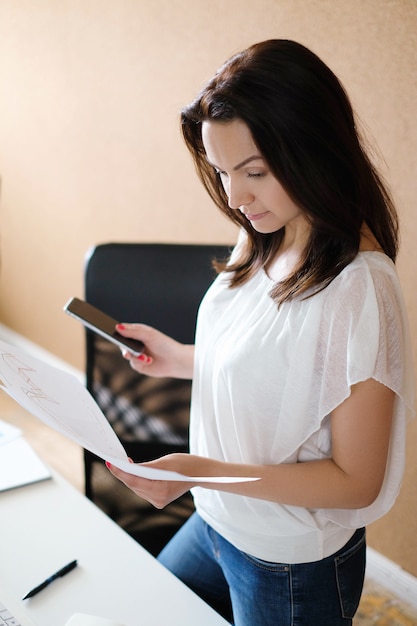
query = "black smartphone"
{"x": 102, "y": 324}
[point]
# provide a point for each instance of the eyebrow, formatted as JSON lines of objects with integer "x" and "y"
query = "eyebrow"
{"x": 237, "y": 167}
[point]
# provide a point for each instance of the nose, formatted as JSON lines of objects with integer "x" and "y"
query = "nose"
{"x": 238, "y": 195}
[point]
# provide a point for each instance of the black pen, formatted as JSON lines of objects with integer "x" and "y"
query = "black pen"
{"x": 48, "y": 581}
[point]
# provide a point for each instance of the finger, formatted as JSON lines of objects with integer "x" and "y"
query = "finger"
{"x": 137, "y": 363}
{"x": 111, "y": 468}
{"x": 124, "y": 328}
{"x": 140, "y": 486}
{"x": 131, "y": 357}
{"x": 138, "y": 331}
{"x": 145, "y": 358}
{"x": 124, "y": 477}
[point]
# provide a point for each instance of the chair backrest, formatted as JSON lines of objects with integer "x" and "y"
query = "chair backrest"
{"x": 157, "y": 284}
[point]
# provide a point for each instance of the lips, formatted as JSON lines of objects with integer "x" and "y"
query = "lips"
{"x": 253, "y": 217}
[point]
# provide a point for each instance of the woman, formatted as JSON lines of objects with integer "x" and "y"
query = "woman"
{"x": 301, "y": 369}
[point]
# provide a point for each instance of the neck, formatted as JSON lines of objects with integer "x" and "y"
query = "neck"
{"x": 369, "y": 242}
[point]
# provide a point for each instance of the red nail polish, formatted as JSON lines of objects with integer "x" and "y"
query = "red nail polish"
{"x": 108, "y": 465}
{"x": 121, "y": 326}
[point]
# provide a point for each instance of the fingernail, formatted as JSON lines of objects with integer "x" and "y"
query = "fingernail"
{"x": 142, "y": 357}
{"x": 108, "y": 465}
{"x": 121, "y": 326}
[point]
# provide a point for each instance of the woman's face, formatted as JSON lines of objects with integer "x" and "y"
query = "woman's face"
{"x": 247, "y": 180}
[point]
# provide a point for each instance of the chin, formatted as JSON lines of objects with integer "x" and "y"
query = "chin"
{"x": 265, "y": 230}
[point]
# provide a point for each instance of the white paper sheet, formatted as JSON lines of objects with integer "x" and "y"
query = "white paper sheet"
{"x": 8, "y": 432}
{"x": 20, "y": 465}
{"x": 59, "y": 400}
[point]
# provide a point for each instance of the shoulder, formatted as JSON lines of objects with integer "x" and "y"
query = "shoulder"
{"x": 370, "y": 273}
{"x": 366, "y": 297}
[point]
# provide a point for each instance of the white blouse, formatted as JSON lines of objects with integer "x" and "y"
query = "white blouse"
{"x": 266, "y": 381}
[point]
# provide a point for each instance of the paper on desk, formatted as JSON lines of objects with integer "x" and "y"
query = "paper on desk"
{"x": 8, "y": 432}
{"x": 59, "y": 400}
{"x": 20, "y": 465}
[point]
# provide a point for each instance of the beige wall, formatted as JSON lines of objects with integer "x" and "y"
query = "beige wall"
{"x": 90, "y": 149}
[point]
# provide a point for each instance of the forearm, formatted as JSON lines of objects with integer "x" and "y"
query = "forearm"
{"x": 184, "y": 365}
{"x": 313, "y": 484}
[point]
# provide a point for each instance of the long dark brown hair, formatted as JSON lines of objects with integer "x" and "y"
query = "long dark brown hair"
{"x": 302, "y": 122}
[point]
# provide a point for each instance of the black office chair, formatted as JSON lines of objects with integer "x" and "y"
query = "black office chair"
{"x": 161, "y": 285}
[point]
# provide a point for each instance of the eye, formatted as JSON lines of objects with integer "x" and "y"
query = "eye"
{"x": 256, "y": 174}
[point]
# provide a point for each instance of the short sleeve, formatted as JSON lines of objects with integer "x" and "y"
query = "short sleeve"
{"x": 364, "y": 334}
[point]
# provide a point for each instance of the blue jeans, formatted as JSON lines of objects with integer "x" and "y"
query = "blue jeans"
{"x": 251, "y": 592}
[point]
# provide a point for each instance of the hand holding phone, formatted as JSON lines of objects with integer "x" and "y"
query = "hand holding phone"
{"x": 102, "y": 324}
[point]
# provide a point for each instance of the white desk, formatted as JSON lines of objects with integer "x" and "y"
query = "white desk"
{"x": 46, "y": 525}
